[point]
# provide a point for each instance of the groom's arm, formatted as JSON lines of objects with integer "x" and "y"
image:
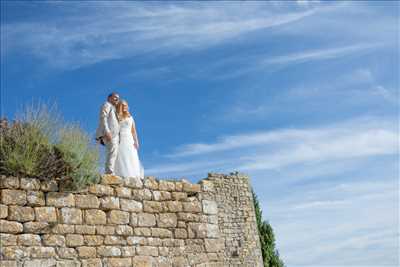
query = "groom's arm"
{"x": 105, "y": 110}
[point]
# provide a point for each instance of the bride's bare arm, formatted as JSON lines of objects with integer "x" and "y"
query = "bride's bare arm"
{"x": 134, "y": 134}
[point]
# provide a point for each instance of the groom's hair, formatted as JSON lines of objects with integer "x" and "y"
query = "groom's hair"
{"x": 111, "y": 94}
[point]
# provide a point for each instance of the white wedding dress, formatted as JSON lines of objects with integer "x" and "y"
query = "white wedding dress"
{"x": 127, "y": 163}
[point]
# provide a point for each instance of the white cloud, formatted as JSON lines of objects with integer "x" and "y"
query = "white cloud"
{"x": 319, "y": 54}
{"x": 119, "y": 30}
{"x": 361, "y": 137}
{"x": 327, "y": 191}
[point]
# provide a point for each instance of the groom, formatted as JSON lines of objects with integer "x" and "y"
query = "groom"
{"x": 107, "y": 132}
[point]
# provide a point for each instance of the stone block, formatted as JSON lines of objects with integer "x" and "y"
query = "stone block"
{"x": 214, "y": 245}
{"x": 133, "y": 221}
{"x": 95, "y": 217}
{"x": 212, "y": 231}
{"x": 36, "y": 227}
{"x": 85, "y": 229}
{"x": 117, "y": 217}
{"x": 166, "y": 186}
{"x": 210, "y": 207}
{"x": 189, "y": 187}
{"x": 35, "y": 198}
{"x": 192, "y": 206}
{"x": 207, "y": 186}
{"x": 101, "y": 190}
{"x": 29, "y": 240}
{"x": 66, "y": 253}
{"x": 3, "y": 211}
{"x": 144, "y": 261}
{"x": 111, "y": 180}
{"x": 152, "y": 206}
{"x": 8, "y": 240}
{"x": 10, "y": 227}
{"x": 71, "y": 216}
{"x": 146, "y": 219}
{"x": 109, "y": 203}
{"x": 45, "y": 214}
{"x": 147, "y": 251}
{"x": 40, "y": 262}
{"x": 105, "y": 229}
{"x": 86, "y": 252}
{"x": 141, "y": 194}
{"x": 54, "y": 240}
{"x": 128, "y": 251}
{"x": 68, "y": 263}
{"x": 74, "y": 240}
{"x": 114, "y": 240}
{"x": 13, "y": 197}
{"x": 60, "y": 199}
{"x": 180, "y": 233}
{"x": 29, "y": 184}
{"x": 161, "y": 195}
{"x": 9, "y": 182}
{"x": 154, "y": 241}
{"x": 151, "y": 182}
{"x": 14, "y": 252}
{"x": 93, "y": 240}
{"x": 167, "y": 220}
{"x": 131, "y": 205}
{"x": 182, "y": 196}
{"x": 123, "y": 192}
{"x": 92, "y": 263}
{"x": 137, "y": 240}
{"x": 178, "y": 186}
{"x": 63, "y": 229}
{"x": 142, "y": 231}
{"x": 123, "y": 230}
{"x": 160, "y": 232}
{"x": 133, "y": 182}
{"x": 172, "y": 206}
{"x": 108, "y": 251}
{"x": 188, "y": 217}
{"x": 41, "y": 252}
{"x": 87, "y": 201}
{"x": 49, "y": 186}
{"x": 7, "y": 263}
{"x": 21, "y": 214}
{"x": 117, "y": 262}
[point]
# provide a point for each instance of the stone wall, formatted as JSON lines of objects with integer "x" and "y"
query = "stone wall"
{"x": 129, "y": 222}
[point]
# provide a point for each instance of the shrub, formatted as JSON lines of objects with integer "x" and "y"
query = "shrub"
{"x": 270, "y": 254}
{"x": 38, "y": 144}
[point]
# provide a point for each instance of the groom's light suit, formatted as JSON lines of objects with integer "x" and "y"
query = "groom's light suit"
{"x": 109, "y": 124}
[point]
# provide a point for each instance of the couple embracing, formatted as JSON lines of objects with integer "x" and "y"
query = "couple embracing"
{"x": 117, "y": 131}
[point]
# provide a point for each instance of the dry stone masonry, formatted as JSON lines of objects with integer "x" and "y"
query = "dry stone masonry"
{"x": 129, "y": 222}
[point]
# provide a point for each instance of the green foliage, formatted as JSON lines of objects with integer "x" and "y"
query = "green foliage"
{"x": 38, "y": 144}
{"x": 80, "y": 157}
{"x": 267, "y": 239}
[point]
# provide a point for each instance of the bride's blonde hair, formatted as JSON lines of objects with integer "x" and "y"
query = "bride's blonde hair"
{"x": 120, "y": 111}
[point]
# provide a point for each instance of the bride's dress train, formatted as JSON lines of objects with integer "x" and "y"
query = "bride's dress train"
{"x": 127, "y": 163}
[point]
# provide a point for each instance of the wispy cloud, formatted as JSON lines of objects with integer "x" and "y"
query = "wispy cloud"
{"x": 352, "y": 166}
{"x": 319, "y": 54}
{"x": 359, "y": 137}
{"x": 124, "y": 29}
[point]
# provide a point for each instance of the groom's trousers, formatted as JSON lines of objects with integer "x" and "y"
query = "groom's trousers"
{"x": 111, "y": 154}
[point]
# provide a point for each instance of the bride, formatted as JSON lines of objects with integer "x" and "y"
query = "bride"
{"x": 127, "y": 163}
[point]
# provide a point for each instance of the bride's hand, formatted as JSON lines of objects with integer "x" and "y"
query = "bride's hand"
{"x": 136, "y": 146}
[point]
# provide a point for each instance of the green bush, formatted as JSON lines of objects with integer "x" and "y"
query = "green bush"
{"x": 38, "y": 144}
{"x": 270, "y": 254}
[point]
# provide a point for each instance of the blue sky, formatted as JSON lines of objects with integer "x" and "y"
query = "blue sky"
{"x": 300, "y": 95}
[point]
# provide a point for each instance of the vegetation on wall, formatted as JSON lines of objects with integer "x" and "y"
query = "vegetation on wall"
{"x": 37, "y": 143}
{"x": 267, "y": 239}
